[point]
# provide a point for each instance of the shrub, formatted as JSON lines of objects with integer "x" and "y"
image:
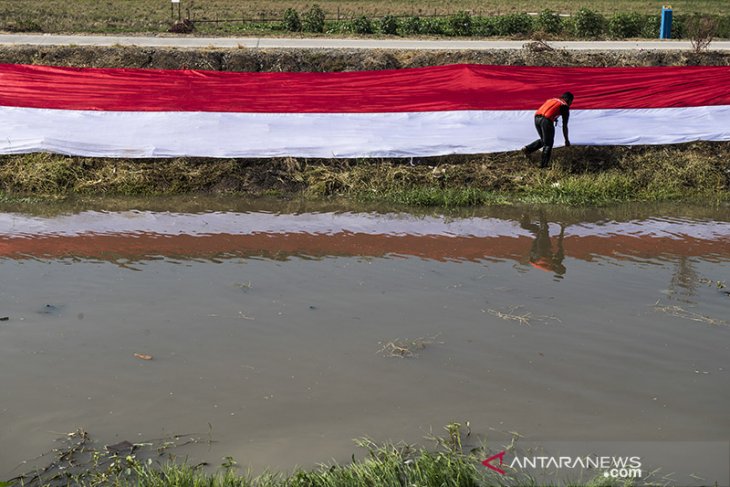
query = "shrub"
{"x": 626, "y": 25}
{"x": 389, "y": 25}
{"x": 512, "y": 24}
{"x": 589, "y": 23}
{"x": 362, "y": 25}
{"x": 460, "y": 24}
{"x": 484, "y": 26}
{"x": 549, "y": 22}
{"x": 412, "y": 26}
{"x": 314, "y": 19}
{"x": 569, "y": 26}
{"x": 340, "y": 27}
{"x": 723, "y": 26}
{"x": 701, "y": 30}
{"x": 292, "y": 22}
{"x": 650, "y": 29}
{"x": 433, "y": 26}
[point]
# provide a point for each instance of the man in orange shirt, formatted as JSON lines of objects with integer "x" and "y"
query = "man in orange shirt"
{"x": 545, "y": 119}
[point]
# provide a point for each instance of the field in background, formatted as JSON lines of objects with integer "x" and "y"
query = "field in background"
{"x": 155, "y": 15}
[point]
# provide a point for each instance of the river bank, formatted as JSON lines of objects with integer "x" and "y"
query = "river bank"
{"x": 580, "y": 175}
{"x": 388, "y": 464}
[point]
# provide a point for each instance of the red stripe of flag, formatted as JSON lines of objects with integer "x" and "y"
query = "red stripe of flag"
{"x": 441, "y": 88}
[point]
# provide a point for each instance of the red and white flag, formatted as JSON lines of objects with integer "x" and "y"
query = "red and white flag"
{"x": 457, "y": 109}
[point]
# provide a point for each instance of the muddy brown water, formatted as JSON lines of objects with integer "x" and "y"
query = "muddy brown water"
{"x": 269, "y": 325}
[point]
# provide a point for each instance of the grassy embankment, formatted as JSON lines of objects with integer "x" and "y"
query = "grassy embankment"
{"x": 580, "y": 175}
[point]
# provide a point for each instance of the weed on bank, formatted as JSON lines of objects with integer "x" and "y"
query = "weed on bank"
{"x": 391, "y": 465}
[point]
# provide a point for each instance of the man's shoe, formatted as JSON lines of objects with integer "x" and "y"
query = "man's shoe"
{"x": 526, "y": 153}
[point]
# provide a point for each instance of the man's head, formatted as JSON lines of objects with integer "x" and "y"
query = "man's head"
{"x": 568, "y": 97}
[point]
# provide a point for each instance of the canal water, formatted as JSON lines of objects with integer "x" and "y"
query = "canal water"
{"x": 279, "y": 332}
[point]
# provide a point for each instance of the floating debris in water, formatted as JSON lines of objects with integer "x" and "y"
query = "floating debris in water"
{"x": 713, "y": 283}
{"x": 245, "y": 286}
{"x": 143, "y": 356}
{"x": 243, "y": 316}
{"x": 51, "y": 309}
{"x": 680, "y": 312}
{"x": 121, "y": 448}
{"x": 523, "y": 319}
{"x": 406, "y": 348}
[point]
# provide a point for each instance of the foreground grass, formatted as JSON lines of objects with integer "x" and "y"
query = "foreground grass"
{"x": 385, "y": 465}
{"x": 579, "y": 176}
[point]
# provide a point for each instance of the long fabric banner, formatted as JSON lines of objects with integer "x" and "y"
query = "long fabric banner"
{"x": 456, "y": 109}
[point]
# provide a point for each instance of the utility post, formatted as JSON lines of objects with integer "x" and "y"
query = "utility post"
{"x": 172, "y": 10}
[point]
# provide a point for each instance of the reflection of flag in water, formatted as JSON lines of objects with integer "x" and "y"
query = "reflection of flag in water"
{"x": 141, "y": 235}
{"x": 399, "y": 113}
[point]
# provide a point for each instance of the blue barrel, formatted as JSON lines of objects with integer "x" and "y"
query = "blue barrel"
{"x": 665, "y": 30}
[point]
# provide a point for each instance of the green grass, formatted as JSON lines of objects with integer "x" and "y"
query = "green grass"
{"x": 386, "y": 465}
{"x": 583, "y": 189}
{"x": 579, "y": 176}
{"x": 437, "y": 197}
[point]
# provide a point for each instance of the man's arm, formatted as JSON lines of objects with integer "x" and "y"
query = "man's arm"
{"x": 565, "y": 113}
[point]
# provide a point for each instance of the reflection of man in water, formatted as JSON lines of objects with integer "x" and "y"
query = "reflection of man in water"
{"x": 541, "y": 253}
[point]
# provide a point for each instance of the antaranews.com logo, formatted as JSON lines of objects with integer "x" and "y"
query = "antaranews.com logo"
{"x": 616, "y": 467}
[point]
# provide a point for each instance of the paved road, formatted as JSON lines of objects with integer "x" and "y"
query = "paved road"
{"x": 326, "y": 43}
